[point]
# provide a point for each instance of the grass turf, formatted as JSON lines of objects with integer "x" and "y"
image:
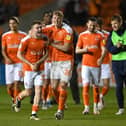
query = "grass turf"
{"x": 73, "y": 116}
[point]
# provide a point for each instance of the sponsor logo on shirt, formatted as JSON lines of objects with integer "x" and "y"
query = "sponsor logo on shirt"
{"x": 36, "y": 52}
{"x": 13, "y": 45}
{"x": 97, "y": 38}
{"x": 93, "y": 47}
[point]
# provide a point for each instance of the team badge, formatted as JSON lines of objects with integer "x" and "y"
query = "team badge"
{"x": 104, "y": 42}
{"x": 68, "y": 37}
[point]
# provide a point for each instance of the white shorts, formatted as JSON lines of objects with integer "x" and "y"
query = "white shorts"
{"x": 90, "y": 74}
{"x": 61, "y": 70}
{"x": 13, "y": 73}
{"x": 105, "y": 71}
{"x": 33, "y": 78}
{"x": 47, "y": 70}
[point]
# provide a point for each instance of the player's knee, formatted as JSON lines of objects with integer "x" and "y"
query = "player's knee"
{"x": 28, "y": 92}
{"x": 63, "y": 86}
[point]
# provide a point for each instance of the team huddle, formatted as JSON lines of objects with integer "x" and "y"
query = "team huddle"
{"x": 43, "y": 60}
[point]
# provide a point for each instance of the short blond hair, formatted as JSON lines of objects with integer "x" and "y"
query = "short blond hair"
{"x": 58, "y": 13}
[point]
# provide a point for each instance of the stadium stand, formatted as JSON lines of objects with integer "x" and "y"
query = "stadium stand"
{"x": 106, "y": 10}
{"x": 28, "y": 5}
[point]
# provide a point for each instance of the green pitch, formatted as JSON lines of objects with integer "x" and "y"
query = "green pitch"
{"x": 73, "y": 116}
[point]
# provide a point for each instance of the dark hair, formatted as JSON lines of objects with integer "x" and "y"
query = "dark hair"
{"x": 36, "y": 22}
{"x": 16, "y": 19}
{"x": 94, "y": 19}
{"x": 99, "y": 21}
{"x": 47, "y": 12}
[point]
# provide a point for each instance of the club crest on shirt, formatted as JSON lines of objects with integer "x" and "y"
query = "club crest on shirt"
{"x": 96, "y": 38}
{"x": 104, "y": 42}
{"x": 32, "y": 43}
{"x": 20, "y": 37}
{"x": 68, "y": 37}
{"x": 9, "y": 38}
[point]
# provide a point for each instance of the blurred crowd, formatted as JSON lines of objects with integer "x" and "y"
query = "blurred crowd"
{"x": 78, "y": 11}
{"x": 8, "y": 9}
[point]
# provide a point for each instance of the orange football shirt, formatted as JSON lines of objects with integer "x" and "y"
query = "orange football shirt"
{"x": 61, "y": 36}
{"x": 11, "y": 42}
{"x": 33, "y": 51}
{"x": 94, "y": 41}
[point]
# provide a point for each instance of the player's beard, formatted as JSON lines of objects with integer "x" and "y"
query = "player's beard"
{"x": 39, "y": 34}
{"x": 92, "y": 30}
{"x": 14, "y": 29}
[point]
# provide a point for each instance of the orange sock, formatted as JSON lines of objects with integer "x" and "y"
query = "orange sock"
{"x": 104, "y": 90}
{"x": 62, "y": 99}
{"x": 16, "y": 92}
{"x": 35, "y": 108}
{"x": 96, "y": 94}
{"x": 56, "y": 95}
{"x": 85, "y": 95}
{"x": 49, "y": 95}
{"x": 44, "y": 93}
{"x": 11, "y": 92}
